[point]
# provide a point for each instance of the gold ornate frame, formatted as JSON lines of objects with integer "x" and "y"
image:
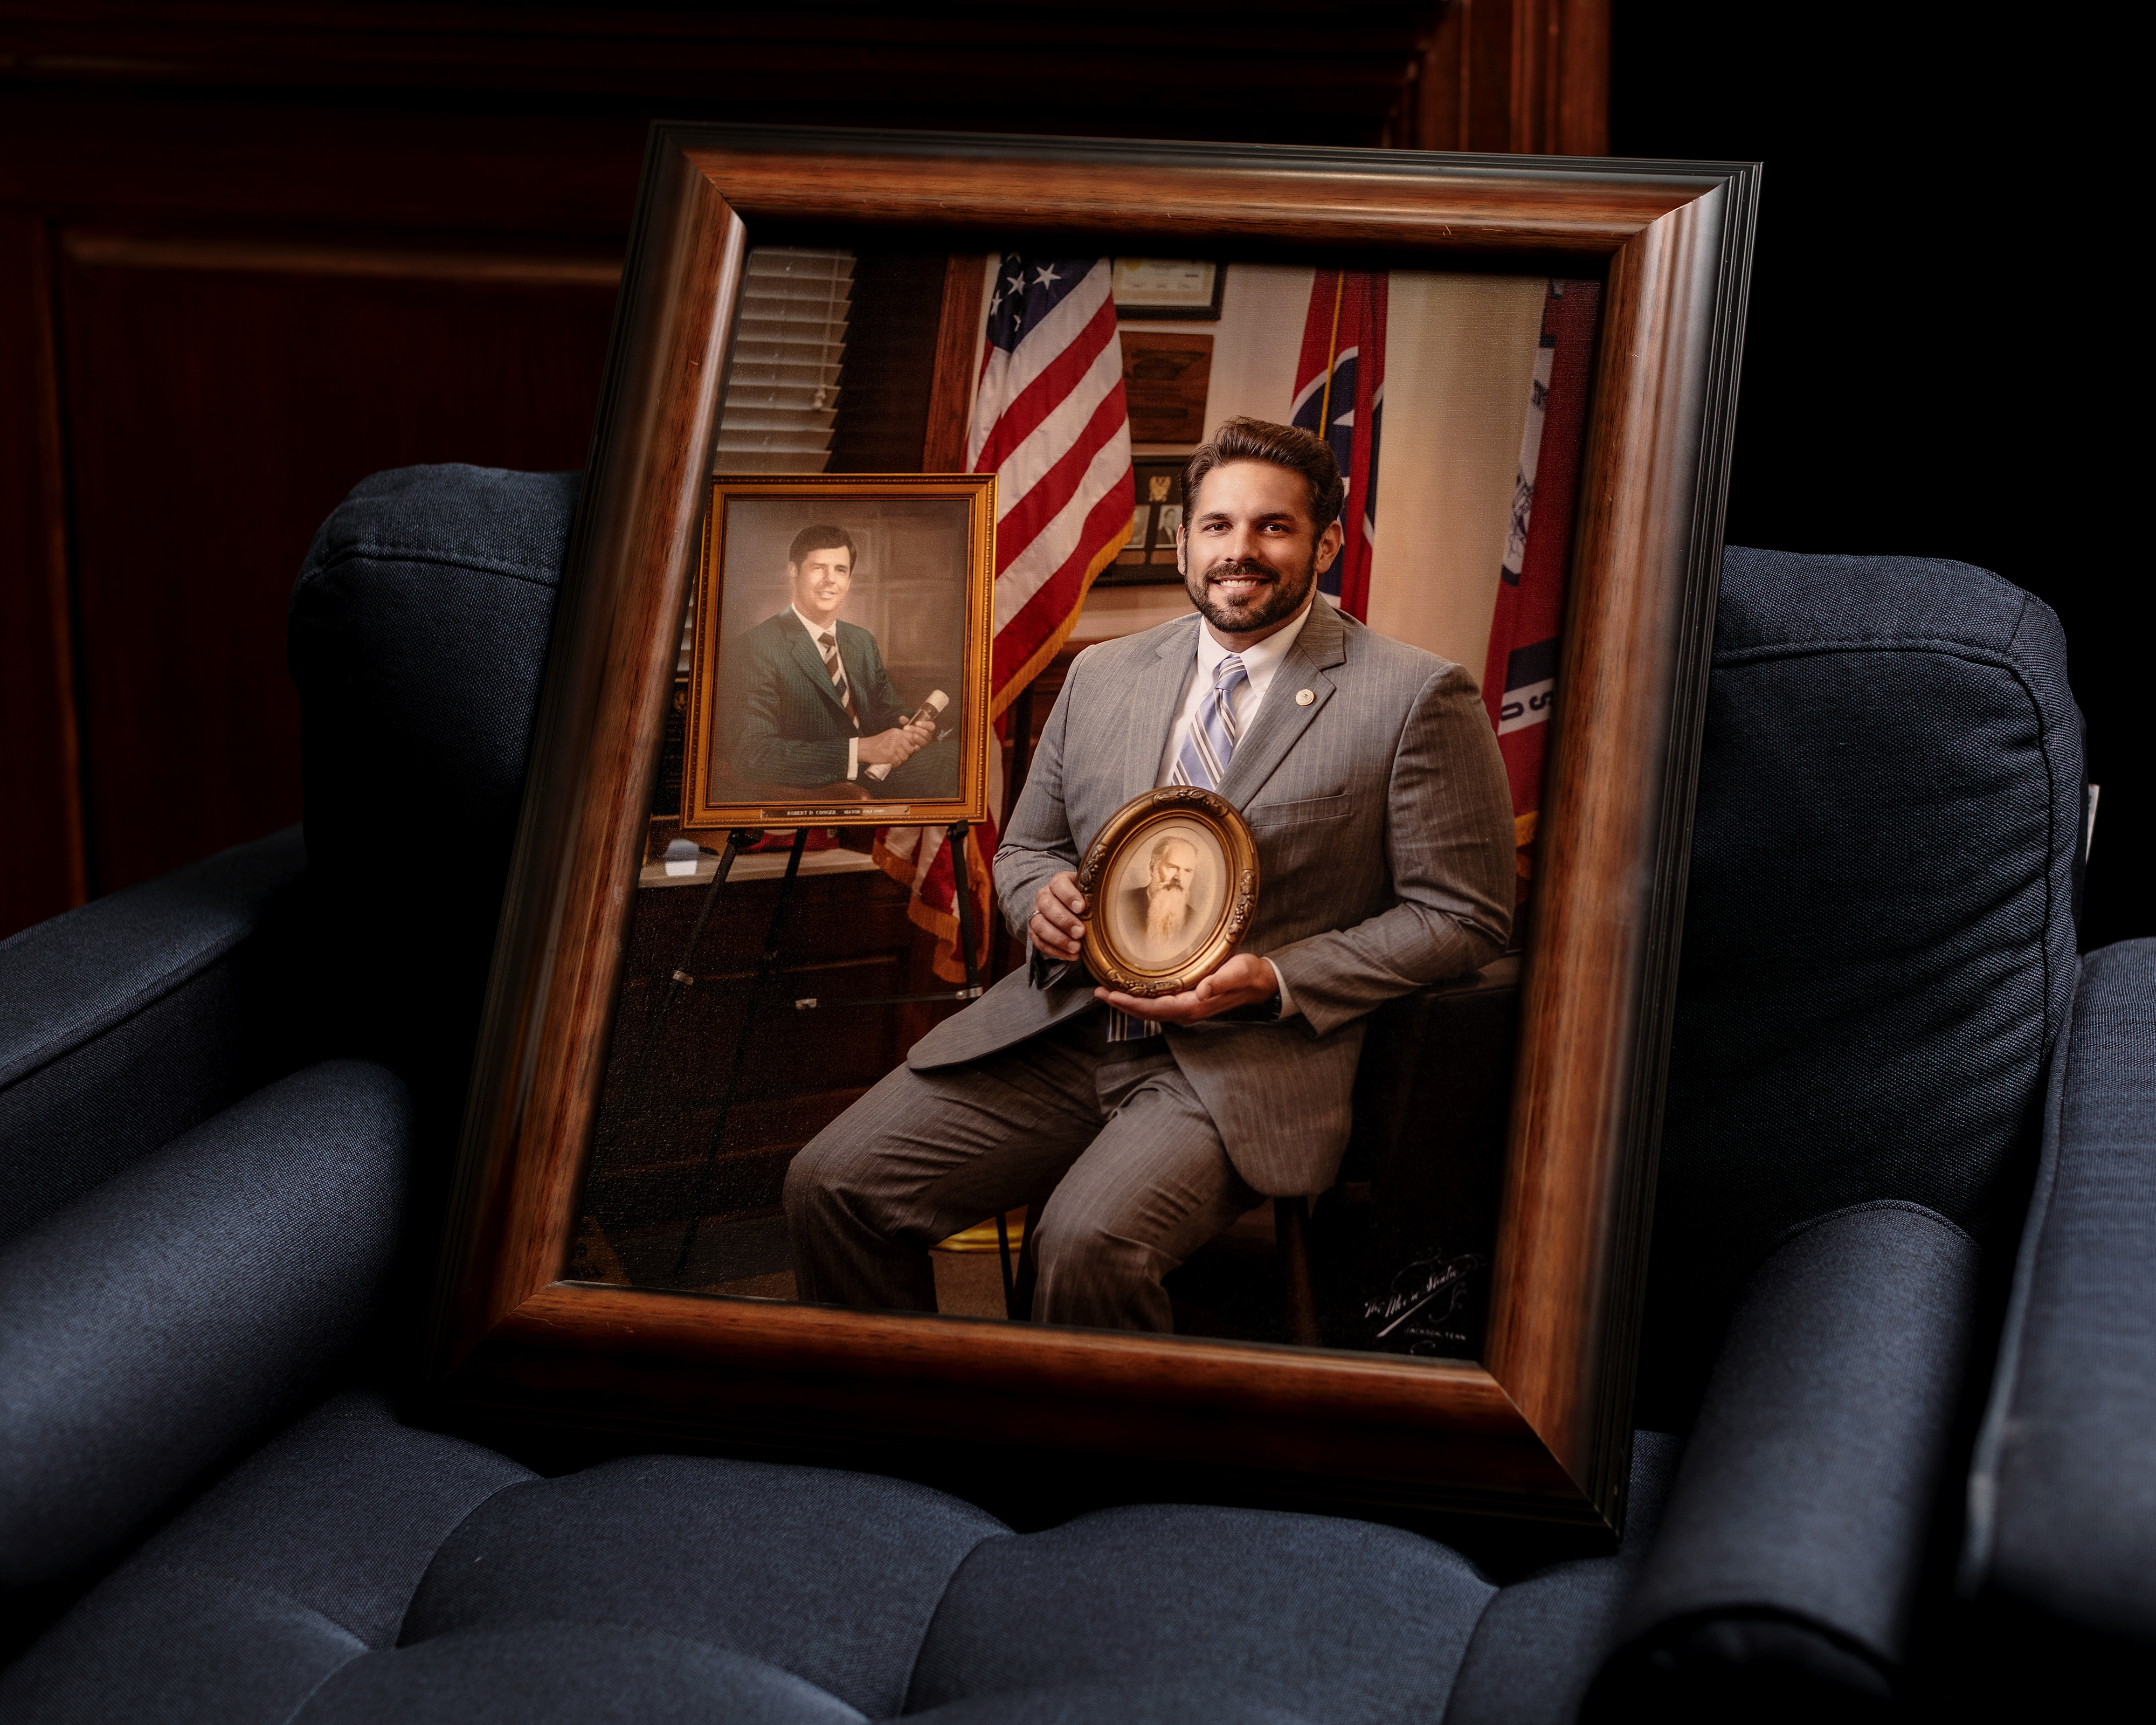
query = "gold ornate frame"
{"x": 1132, "y": 825}
{"x": 842, "y": 805}
{"x": 1539, "y": 1427}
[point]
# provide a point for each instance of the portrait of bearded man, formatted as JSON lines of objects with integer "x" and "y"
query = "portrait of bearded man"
{"x": 1157, "y": 915}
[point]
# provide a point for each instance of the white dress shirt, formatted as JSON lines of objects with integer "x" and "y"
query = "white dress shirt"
{"x": 1261, "y": 663}
{"x": 816, "y": 640}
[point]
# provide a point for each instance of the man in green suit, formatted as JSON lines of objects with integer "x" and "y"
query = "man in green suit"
{"x": 804, "y": 699}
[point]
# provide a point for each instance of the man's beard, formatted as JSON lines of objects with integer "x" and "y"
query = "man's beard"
{"x": 1165, "y": 908}
{"x": 1269, "y": 605}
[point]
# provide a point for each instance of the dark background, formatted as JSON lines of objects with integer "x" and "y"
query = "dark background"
{"x": 1935, "y": 363}
{"x": 250, "y": 255}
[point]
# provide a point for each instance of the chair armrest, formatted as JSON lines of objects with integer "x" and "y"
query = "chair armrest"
{"x": 127, "y": 1021}
{"x": 2062, "y": 1494}
{"x": 152, "y": 1326}
{"x": 1789, "y": 1554}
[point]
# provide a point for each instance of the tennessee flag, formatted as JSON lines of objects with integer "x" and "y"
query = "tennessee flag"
{"x": 1340, "y": 394}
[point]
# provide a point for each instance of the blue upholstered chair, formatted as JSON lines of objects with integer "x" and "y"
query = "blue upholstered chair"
{"x": 228, "y": 1100}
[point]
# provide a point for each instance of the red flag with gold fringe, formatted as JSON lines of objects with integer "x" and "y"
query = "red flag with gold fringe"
{"x": 1519, "y": 679}
{"x": 1340, "y": 394}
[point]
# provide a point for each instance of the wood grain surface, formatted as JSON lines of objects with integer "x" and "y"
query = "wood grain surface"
{"x": 1200, "y": 195}
{"x": 595, "y": 750}
{"x": 951, "y": 396}
{"x": 1577, "y": 1081}
{"x": 1544, "y": 1429}
{"x": 852, "y": 1383}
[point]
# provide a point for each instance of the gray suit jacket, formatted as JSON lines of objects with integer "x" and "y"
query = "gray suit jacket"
{"x": 779, "y": 719}
{"x": 1385, "y": 852}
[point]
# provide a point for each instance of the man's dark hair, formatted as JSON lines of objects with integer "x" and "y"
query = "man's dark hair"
{"x": 1287, "y": 446}
{"x": 810, "y": 539}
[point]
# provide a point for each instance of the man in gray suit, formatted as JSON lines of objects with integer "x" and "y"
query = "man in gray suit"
{"x": 1372, "y": 782}
{"x": 804, "y": 698}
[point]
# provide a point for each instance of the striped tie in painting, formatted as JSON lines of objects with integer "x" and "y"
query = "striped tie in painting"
{"x": 829, "y": 643}
{"x": 1203, "y": 761}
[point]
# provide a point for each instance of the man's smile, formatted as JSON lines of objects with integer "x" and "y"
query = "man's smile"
{"x": 1240, "y": 583}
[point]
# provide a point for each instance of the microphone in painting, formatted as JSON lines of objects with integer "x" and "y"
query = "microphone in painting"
{"x": 930, "y": 708}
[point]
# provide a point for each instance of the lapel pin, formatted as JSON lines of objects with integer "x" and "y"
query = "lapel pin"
{"x": 1303, "y": 697}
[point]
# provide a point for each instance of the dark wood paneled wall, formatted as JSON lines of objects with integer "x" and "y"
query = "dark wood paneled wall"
{"x": 1528, "y": 77}
{"x": 249, "y": 256}
{"x": 317, "y": 364}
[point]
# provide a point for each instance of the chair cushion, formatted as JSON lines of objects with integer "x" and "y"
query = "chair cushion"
{"x": 302, "y": 1559}
{"x": 1208, "y": 1603}
{"x": 832, "y": 1576}
{"x": 546, "y": 1671}
{"x": 1879, "y": 939}
{"x": 355, "y": 1568}
{"x": 417, "y": 640}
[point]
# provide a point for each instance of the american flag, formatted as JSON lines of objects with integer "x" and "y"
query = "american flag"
{"x": 1049, "y": 422}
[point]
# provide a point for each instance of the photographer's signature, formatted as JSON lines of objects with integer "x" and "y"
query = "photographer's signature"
{"x": 1426, "y": 1298}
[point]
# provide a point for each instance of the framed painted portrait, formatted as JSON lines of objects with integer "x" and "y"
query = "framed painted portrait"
{"x": 839, "y": 661}
{"x": 1422, "y": 843}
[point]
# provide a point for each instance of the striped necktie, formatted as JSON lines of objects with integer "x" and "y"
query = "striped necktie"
{"x": 1203, "y": 758}
{"x": 1203, "y": 761}
{"x": 829, "y": 643}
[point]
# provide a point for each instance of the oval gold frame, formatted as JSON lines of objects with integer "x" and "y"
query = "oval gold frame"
{"x": 1128, "y": 827}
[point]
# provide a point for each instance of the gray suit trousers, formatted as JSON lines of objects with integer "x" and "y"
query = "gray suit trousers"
{"x": 1139, "y": 1178}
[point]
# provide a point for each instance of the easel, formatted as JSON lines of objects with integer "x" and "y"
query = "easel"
{"x": 683, "y": 976}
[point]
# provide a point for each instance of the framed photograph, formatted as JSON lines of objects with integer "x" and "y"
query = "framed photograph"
{"x": 840, "y": 668}
{"x": 1148, "y": 558}
{"x": 1149, "y": 288}
{"x": 1430, "y": 1312}
{"x": 1174, "y": 876}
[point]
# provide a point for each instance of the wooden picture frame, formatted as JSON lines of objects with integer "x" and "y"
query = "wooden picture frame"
{"x": 1539, "y": 1427}
{"x": 1222, "y": 888}
{"x": 1148, "y": 559}
{"x": 1149, "y": 289}
{"x": 757, "y": 690}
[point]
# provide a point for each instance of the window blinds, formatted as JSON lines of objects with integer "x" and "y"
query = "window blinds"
{"x": 783, "y": 394}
